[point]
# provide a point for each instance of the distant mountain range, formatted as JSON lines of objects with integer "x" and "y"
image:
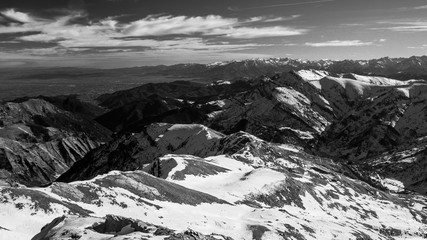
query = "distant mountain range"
{"x": 90, "y": 83}
{"x": 398, "y": 68}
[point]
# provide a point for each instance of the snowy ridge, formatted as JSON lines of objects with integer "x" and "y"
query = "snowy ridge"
{"x": 306, "y": 154}
{"x": 374, "y": 80}
{"x": 238, "y": 192}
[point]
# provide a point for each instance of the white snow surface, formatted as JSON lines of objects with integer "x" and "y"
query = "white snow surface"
{"x": 313, "y": 76}
{"x": 320, "y": 215}
{"x": 291, "y": 194}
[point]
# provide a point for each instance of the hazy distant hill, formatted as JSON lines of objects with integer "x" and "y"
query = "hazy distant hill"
{"x": 92, "y": 82}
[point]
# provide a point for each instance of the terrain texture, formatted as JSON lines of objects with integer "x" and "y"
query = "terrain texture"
{"x": 255, "y": 149}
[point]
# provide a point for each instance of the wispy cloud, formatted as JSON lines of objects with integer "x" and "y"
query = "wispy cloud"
{"x": 421, "y": 7}
{"x": 50, "y": 51}
{"x": 10, "y": 42}
{"x": 17, "y": 16}
{"x": 155, "y": 39}
{"x": 254, "y": 32}
{"x": 404, "y": 26}
{"x": 339, "y": 43}
{"x": 210, "y": 25}
{"x": 268, "y": 19}
{"x": 59, "y": 25}
{"x": 174, "y": 44}
{"x": 419, "y": 47}
{"x": 352, "y": 24}
{"x": 280, "y": 19}
{"x": 280, "y": 5}
{"x": 167, "y": 25}
{"x": 196, "y": 33}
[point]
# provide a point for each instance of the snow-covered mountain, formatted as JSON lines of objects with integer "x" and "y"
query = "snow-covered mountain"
{"x": 313, "y": 153}
{"x": 398, "y": 68}
{"x": 346, "y": 116}
{"x": 246, "y": 189}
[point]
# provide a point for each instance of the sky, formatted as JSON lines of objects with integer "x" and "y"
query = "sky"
{"x": 128, "y": 33}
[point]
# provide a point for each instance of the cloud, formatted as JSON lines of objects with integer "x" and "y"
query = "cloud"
{"x": 208, "y": 26}
{"x": 288, "y": 4}
{"x": 153, "y": 25}
{"x": 42, "y": 25}
{"x": 17, "y": 16}
{"x": 54, "y": 51}
{"x": 253, "y": 32}
{"x": 421, "y": 7}
{"x": 154, "y": 32}
{"x": 280, "y": 19}
{"x": 10, "y": 42}
{"x": 420, "y": 47}
{"x": 352, "y": 24}
{"x": 266, "y": 19}
{"x": 177, "y": 43}
{"x": 404, "y": 26}
{"x": 167, "y": 25}
{"x": 339, "y": 43}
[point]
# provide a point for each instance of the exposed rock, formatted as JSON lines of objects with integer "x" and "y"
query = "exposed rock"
{"x": 45, "y": 230}
{"x": 39, "y": 141}
{"x": 193, "y": 235}
{"x": 121, "y": 226}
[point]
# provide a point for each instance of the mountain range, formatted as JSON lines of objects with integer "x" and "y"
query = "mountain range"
{"x": 251, "y": 149}
{"x": 89, "y": 83}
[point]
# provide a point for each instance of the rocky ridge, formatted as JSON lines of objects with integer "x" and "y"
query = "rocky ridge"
{"x": 39, "y": 141}
{"x": 306, "y": 154}
{"x": 250, "y": 189}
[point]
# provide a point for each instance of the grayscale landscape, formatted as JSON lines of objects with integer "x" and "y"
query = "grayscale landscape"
{"x": 195, "y": 120}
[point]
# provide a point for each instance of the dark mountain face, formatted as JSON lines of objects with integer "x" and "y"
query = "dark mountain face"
{"x": 348, "y": 117}
{"x": 281, "y": 108}
{"x": 40, "y": 141}
{"x": 69, "y": 103}
{"x": 176, "y": 102}
{"x": 183, "y": 90}
{"x": 132, "y": 151}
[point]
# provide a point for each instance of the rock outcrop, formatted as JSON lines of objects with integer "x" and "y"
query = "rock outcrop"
{"x": 39, "y": 141}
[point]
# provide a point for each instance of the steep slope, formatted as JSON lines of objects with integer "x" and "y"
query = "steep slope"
{"x": 393, "y": 117}
{"x": 116, "y": 192}
{"x": 401, "y": 171}
{"x": 145, "y": 109}
{"x": 294, "y": 107}
{"x": 176, "y": 102}
{"x": 39, "y": 141}
{"x": 258, "y": 191}
{"x": 70, "y": 103}
{"x": 120, "y": 227}
{"x": 132, "y": 151}
{"x": 282, "y": 108}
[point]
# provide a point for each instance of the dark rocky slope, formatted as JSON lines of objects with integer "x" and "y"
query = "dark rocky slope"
{"x": 39, "y": 141}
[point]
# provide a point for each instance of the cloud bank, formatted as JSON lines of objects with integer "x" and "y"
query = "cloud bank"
{"x": 154, "y": 32}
